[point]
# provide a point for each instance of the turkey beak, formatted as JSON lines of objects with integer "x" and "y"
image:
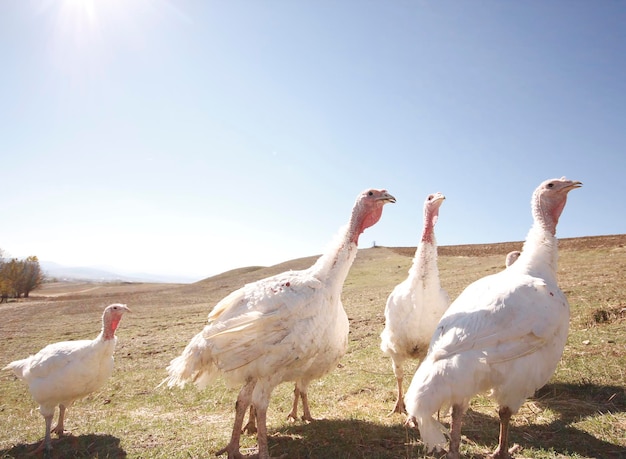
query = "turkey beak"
{"x": 574, "y": 185}
{"x": 127, "y": 308}
{"x": 386, "y": 197}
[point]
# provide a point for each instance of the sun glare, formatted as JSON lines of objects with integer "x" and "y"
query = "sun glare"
{"x": 82, "y": 7}
{"x": 80, "y": 20}
{"x": 85, "y": 38}
{"x": 85, "y": 34}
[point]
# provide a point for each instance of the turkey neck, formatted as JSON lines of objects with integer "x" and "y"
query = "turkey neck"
{"x": 540, "y": 253}
{"x": 424, "y": 267}
{"x": 334, "y": 265}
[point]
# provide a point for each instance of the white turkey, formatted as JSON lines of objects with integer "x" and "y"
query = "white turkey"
{"x": 288, "y": 327}
{"x": 505, "y": 333}
{"x": 66, "y": 371}
{"x": 415, "y": 306}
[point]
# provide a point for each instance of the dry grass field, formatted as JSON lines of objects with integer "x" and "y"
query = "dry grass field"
{"x": 580, "y": 413}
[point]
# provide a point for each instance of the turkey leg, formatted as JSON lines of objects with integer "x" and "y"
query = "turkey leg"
{"x": 293, "y": 414}
{"x": 502, "y": 451}
{"x": 300, "y": 394}
{"x": 399, "y": 372}
{"x": 306, "y": 415}
{"x": 58, "y": 429}
{"x": 241, "y": 406}
{"x": 455, "y": 432}
{"x": 47, "y": 441}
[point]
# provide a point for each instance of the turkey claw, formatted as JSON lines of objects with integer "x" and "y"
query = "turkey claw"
{"x": 60, "y": 432}
{"x": 410, "y": 421}
{"x": 249, "y": 428}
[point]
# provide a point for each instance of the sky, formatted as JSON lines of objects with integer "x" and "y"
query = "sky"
{"x": 189, "y": 138}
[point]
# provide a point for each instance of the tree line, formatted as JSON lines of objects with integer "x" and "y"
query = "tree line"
{"x": 19, "y": 277}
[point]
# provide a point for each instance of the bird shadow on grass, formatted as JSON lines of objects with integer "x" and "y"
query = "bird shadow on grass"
{"x": 70, "y": 446}
{"x": 343, "y": 438}
{"x": 355, "y": 438}
{"x": 573, "y": 403}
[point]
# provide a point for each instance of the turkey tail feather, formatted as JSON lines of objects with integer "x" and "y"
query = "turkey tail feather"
{"x": 426, "y": 394}
{"x": 432, "y": 432}
{"x": 193, "y": 365}
{"x": 17, "y": 367}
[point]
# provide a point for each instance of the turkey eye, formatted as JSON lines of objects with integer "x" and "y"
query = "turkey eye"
{"x": 550, "y": 185}
{"x": 430, "y": 198}
{"x": 371, "y": 193}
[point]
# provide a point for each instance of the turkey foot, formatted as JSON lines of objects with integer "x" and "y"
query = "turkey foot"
{"x": 293, "y": 414}
{"x": 60, "y": 431}
{"x": 235, "y": 454}
{"x": 293, "y": 417}
{"x": 399, "y": 408}
{"x": 507, "y": 454}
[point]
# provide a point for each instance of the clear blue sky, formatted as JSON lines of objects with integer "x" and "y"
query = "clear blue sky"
{"x": 192, "y": 137}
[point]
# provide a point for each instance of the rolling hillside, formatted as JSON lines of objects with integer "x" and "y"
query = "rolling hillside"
{"x": 580, "y": 413}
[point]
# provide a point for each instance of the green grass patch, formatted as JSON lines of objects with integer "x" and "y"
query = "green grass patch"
{"x": 580, "y": 413}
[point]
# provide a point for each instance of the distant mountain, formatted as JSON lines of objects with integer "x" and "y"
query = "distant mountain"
{"x": 82, "y": 273}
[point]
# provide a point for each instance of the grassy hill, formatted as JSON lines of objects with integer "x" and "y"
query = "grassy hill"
{"x": 580, "y": 413}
